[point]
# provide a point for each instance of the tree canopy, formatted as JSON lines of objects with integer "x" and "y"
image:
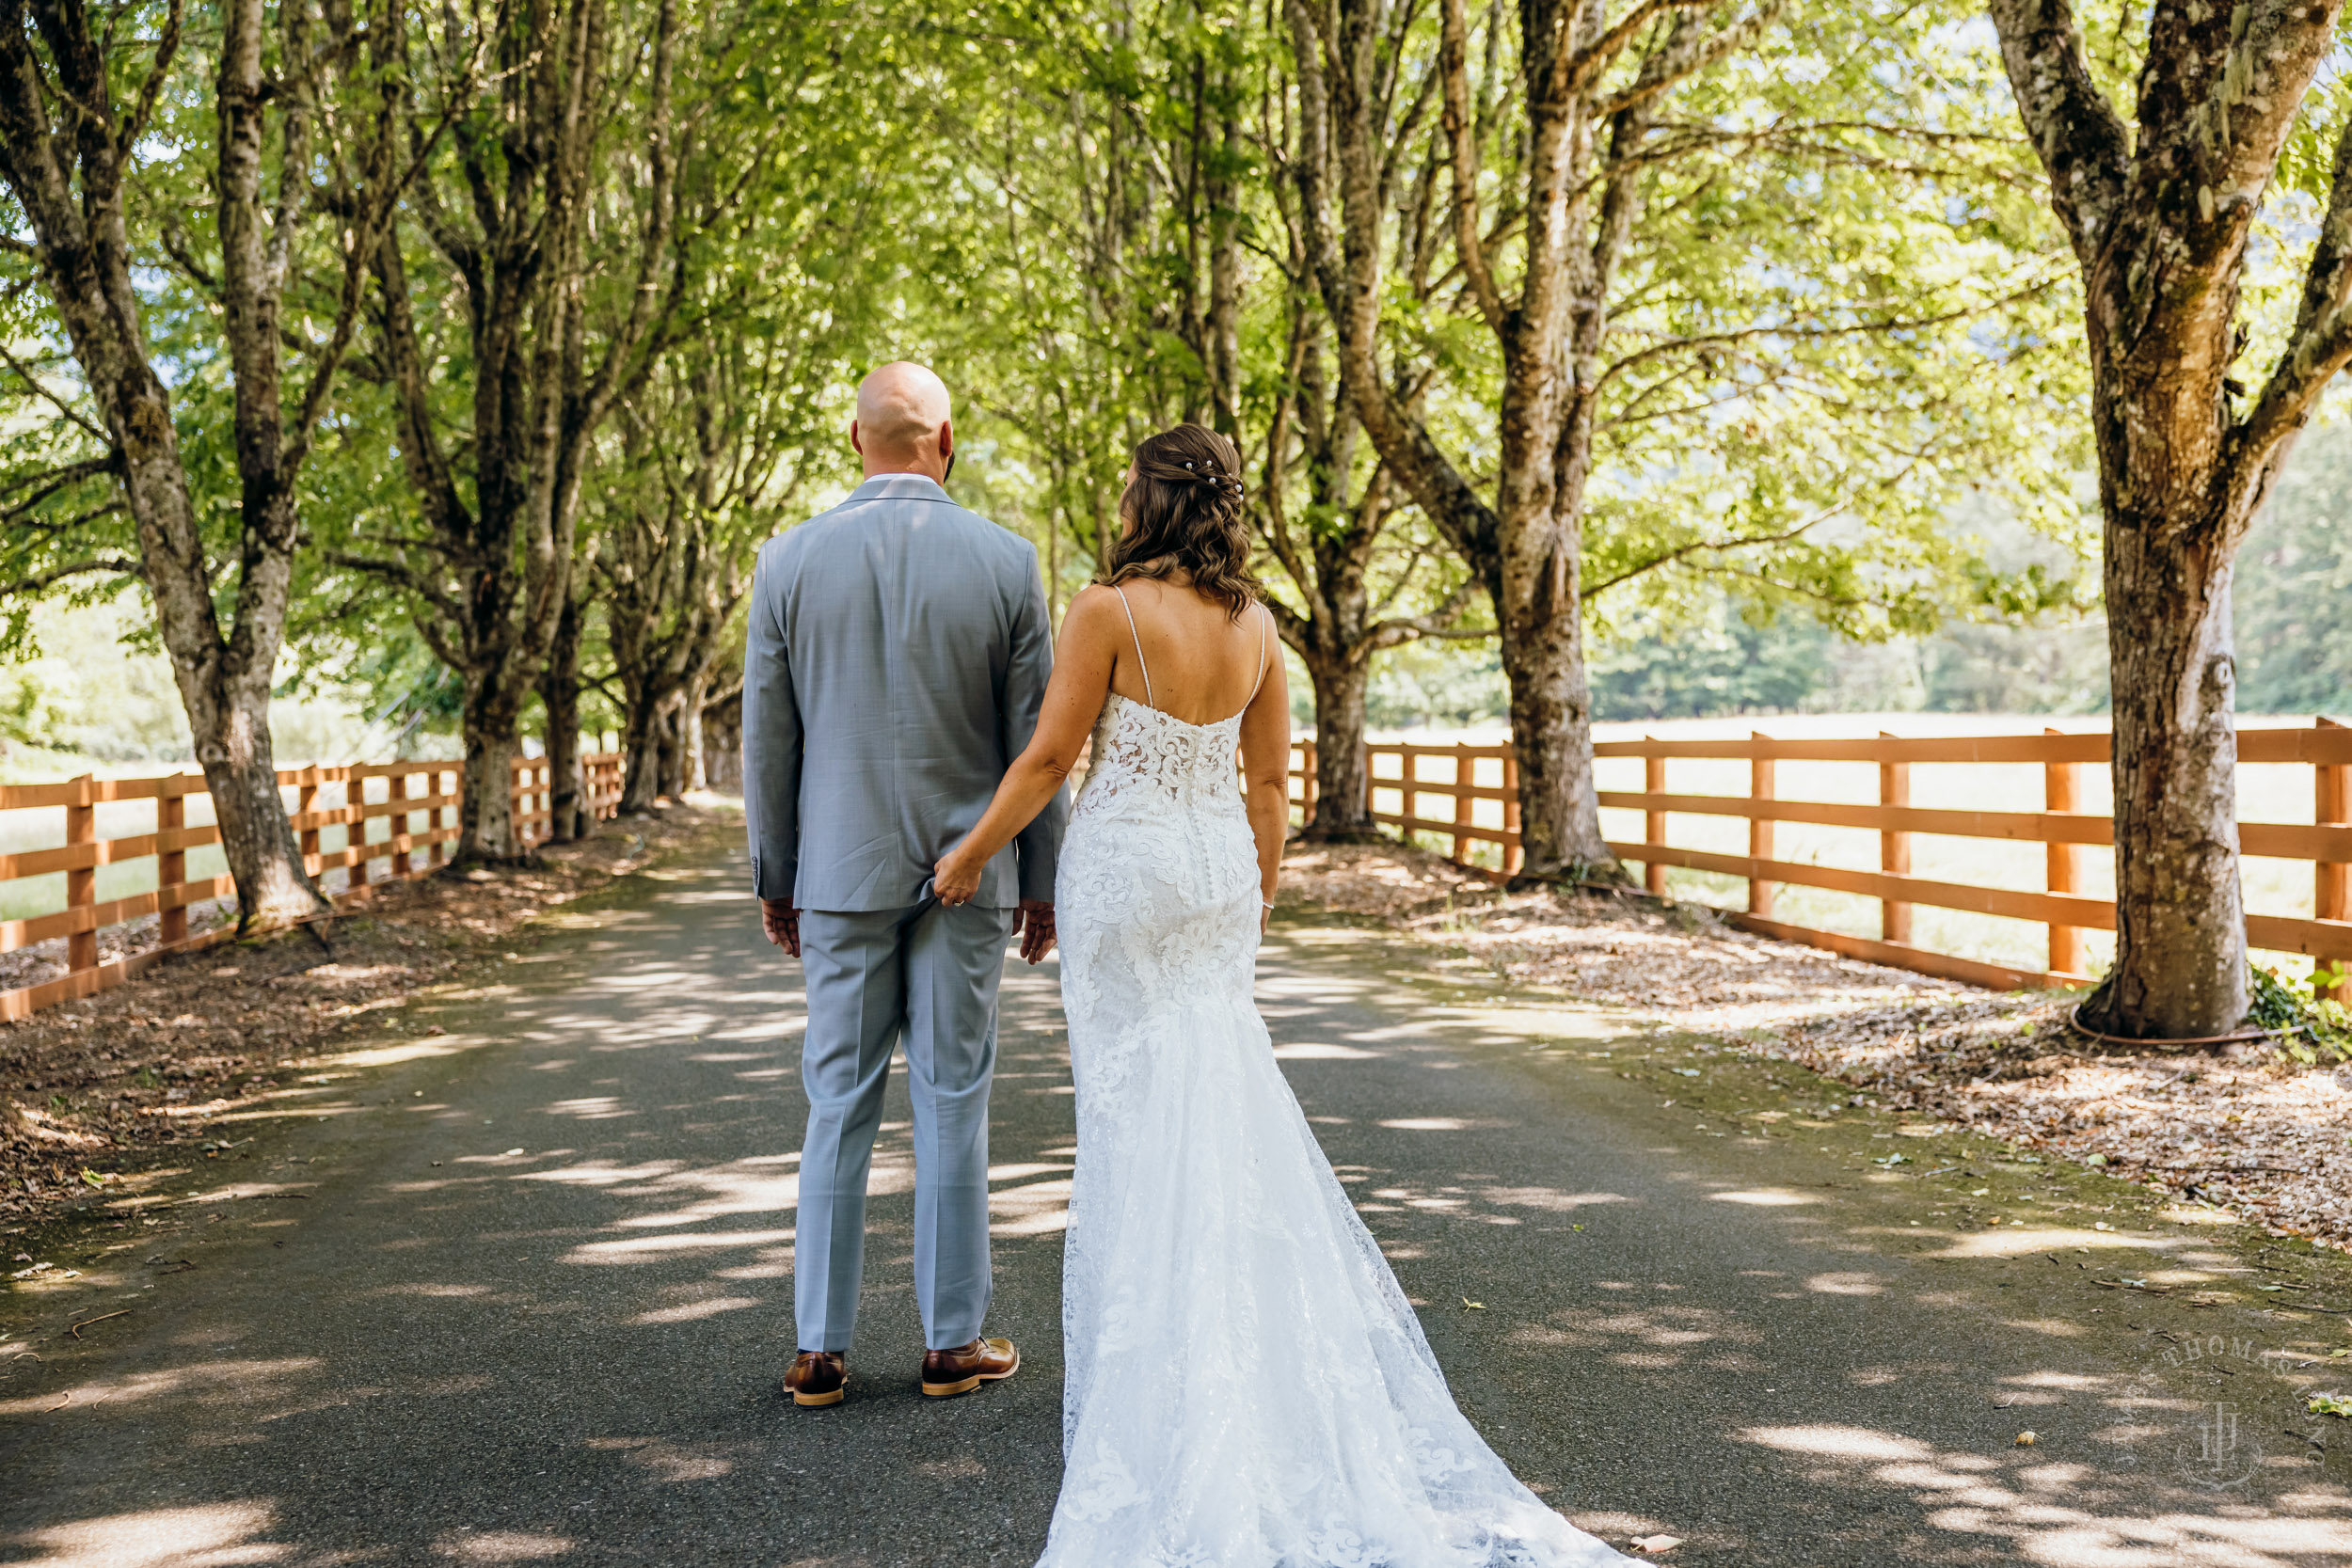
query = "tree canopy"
{"x": 465, "y": 358}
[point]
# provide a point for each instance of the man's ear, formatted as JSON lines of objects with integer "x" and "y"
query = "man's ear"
{"x": 946, "y": 438}
{"x": 855, "y": 444}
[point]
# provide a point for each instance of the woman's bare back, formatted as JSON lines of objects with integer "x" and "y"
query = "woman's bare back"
{"x": 1199, "y": 663}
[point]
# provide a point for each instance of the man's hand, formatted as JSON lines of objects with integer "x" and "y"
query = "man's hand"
{"x": 782, "y": 923}
{"x": 1037, "y": 930}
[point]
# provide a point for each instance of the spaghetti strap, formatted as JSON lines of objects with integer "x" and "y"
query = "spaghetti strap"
{"x": 1264, "y": 616}
{"x": 1143, "y": 668}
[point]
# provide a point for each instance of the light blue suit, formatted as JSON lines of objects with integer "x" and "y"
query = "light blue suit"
{"x": 897, "y": 654}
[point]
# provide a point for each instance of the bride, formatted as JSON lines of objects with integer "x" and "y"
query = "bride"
{"x": 1246, "y": 1385}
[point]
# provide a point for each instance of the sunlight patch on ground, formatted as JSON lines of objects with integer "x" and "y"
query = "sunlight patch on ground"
{"x": 236, "y": 1378}
{"x": 665, "y": 1461}
{"x": 693, "y": 1312}
{"x": 501, "y": 1546}
{"x": 1547, "y": 1198}
{"x": 1033, "y": 1209}
{"x": 687, "y": 982}
{"x": 697, "y": 1195}
{"x": 2053, "y": 1512}
{"x": 597, "y": 1174}
{"x": 648, "y": 1249}
{"x": 405, "y": 1050}
{"x": 2054, "y": 1327}
{"x": 1017, "y": 1173}
{"x": 597, "y": 1107}
{"x": 1322, "y": 1051}
{"x": 1445, "y": 1124}
{"x": 210, "y": 1535}
{"x": 1765, "y": 1197}
{"x": 2023, "y": 1241}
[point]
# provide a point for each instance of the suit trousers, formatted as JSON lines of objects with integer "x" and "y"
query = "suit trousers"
{"x": 929, "y": 974}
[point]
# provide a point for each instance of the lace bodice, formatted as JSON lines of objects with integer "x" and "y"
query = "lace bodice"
{"x": 1139, "y": 749}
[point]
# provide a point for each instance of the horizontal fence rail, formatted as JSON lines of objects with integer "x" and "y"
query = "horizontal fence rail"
{"x": 404, "y": 832}
{"x": 1439, "y": 790}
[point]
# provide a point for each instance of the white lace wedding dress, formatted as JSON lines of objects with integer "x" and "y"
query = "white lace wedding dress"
{"x": 1247, "y": 1388}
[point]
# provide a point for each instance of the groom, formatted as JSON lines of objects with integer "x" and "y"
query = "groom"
{"x": 899, "y": 651}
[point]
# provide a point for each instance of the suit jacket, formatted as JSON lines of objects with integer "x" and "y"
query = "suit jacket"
{"x": 898, "y": 651}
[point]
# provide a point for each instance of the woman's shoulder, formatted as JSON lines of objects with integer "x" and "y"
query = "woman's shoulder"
{"x": 1094, "y": 600}
{"x": 1095, "y": 616}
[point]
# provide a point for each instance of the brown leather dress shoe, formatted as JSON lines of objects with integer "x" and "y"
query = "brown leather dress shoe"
{"x": 965, "y": 1368}
{"x": 818, "y": 1377}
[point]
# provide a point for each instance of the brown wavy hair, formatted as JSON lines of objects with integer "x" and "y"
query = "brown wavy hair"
{"x": 1184, "y": 513}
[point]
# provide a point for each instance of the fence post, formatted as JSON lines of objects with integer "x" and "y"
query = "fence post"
{"x": 1310, "y": 786}
{"x": 2331, "y": 880}
{"x": 1514, "y": 852}
{"x": 1654, "y": 822}
{"x": 2061, "y": 792}
{"x": 307, "y": 795}
{"x": 1462, "y": 817}
{"x": 81, "y": 882}
{"x": 1760, "y": 830}
{"x": 171, "y": 867}
{"x": 1894, "y": 849}
{"x": 355, "y": 794}
{"x": 404, "y": 863}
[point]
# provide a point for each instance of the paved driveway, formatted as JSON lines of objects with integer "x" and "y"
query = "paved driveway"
{"x": 518, "y": 1292}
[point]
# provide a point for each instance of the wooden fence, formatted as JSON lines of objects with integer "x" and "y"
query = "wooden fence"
{"x": 402, "y": 831}
{"x": 1437, "y": 789}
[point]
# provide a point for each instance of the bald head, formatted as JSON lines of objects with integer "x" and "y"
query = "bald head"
{"x": 901, "y": 425}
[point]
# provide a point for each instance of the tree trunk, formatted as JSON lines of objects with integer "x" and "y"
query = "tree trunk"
{"x": 640, "y": 752}
{"x": 240, "y": 771}
{"x": 1551, "y": 730}
{"x": 570, "y": 818}
{"x": 2162, "y": 213}
{"x": 722, "y": 740}
{"x": 485, "y": 806}
{"x": 2179, "y": 970}
{"x": 1343, "y": 788}
{"x": 692, "y": 773}
{"x": 670, "y": 749}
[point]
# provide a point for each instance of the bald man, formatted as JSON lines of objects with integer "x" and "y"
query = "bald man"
{"x": 898, "y": 651}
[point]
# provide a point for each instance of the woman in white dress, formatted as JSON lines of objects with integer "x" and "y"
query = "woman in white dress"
{"x": 1246, "y": 1385}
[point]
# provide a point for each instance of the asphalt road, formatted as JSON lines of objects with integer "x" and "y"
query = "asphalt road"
{"x": 518, "y": 1291}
